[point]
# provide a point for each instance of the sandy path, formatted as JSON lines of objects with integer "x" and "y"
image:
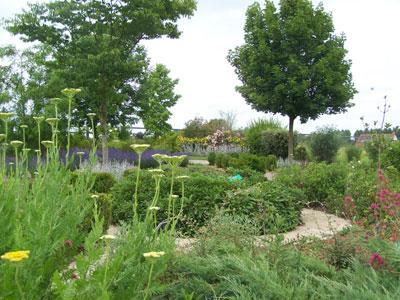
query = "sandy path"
{"x": 315, "y": 224}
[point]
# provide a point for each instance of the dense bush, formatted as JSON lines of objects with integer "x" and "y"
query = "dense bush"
{"x": 103, "y": 182}
{"x": 353, "y": 153}
{"x": 321, "y": 182}
{"x": 391, "y": 155}
{"x": 205, "y": 193}
{"x": 275, "y": 142}
{"x": 246, "y": 160}
{"x": 211, "y": 158}
{"x": 324, "y": 144}
{"x": 168, "y": 142}
{"x": 253, "y": 133}
{"x": 272, "y": 206}
{"x": 302, "y": 153}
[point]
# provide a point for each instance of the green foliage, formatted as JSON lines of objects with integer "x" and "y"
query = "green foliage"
{"x": 196, "y": 128}
{"x": 168, "y": 142}
{"x": 104, "y": 211}
{"x": 322, "y": 183}
{"x": 105, "y": 58}
{"x": 292, "y": 62}
{"x": 302, "y": 153}
{"x": 206, "y": 193}
{"x": 353, "y": 153}
{"x": 40, "y": 215}
{"x": 211, "y": 158}
{"x": 103, "y": 182}
{"x": 391, "y": 155}
{"x": 246, "y": 160}
{"x": 275, "y": 142}
{"x": 325, "y": 144}
{"x": 272, "y": 206}
{"x": 362, "y": 187}
{"x": 253, "y": 133}
{"x": 271, "y": 162}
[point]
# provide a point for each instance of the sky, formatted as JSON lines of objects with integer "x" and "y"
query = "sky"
{"x": 207, "y": 81}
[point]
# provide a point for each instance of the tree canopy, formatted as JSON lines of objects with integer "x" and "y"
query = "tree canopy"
{"x": 292, "y": 62}
{"x": 95, "y": 45}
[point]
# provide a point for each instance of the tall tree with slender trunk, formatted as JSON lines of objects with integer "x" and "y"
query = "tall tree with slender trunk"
{"x": 96, "y": 47}
{"x": 292, "y": 62}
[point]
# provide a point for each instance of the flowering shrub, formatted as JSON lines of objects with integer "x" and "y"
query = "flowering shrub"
{"x": 219, "y": 141}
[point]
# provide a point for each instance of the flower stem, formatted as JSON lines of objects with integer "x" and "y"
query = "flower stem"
{"x": 69, "y": 125}
{"x": 149, "y": 282}
{"x": 21, "y": 293}
{"x": 135, "y": 205}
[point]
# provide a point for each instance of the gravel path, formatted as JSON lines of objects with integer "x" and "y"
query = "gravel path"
{"x": 315, "y": 224}
{"x": 198, "y": 162}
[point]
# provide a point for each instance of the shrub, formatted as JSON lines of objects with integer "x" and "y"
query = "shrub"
{"x": 321, "y": 182}
{"x": 275, "y": 142}
{"x": 253, "y": 133}
{"x": 205, "y": 193}
{"x": 211, "y": 158}
{"x": 103, "y": 182}
{"x": 271, "y": 162}
{"x": 302, "y": 153}
{"x": 272, "y": 206}
{"x": 391, "y": 156}
{"x": 168, "y": 142}
{"x": 353, "y": 153}
{"x": 324, "y": 144}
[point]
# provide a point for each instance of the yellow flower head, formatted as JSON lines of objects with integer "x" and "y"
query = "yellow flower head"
{"x": 174, "y": 160}
{"x": 153, "y": 254}
{"x": 80, "y": 153}
{"x": 16, "y": 144}
{"x": 158, "y": 157}
{"x": 139, "y": 148}
{"x": 155, "y": 208}
{"x": 52, "y": 121}
{"x": 94, "y": 196}
{"x": 108, "y": 237}
{"x": 26, "y": 150}
{"x": 91, "y": 115}
{"x": 182, "y": 178}
{"x": 6, "y": 116}
{"x": 24, "y": 126}
{"x": 16, "y": 255}
{"x": 55, "y": 100}
{"x": 47, "y": 144}
{"x": 38, "y": 119}
{"x": 156, "y": 171}
{"x": 69, "y": 92}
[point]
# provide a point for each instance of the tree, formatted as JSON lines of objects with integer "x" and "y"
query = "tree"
{"x": 292, "y": 63}
{"x": 96, "y": 46}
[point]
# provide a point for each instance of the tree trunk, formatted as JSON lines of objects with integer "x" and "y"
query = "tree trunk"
{"x": 291, "y": 138}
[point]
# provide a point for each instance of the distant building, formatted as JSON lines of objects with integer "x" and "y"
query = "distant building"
{"x": 367, "y": 137}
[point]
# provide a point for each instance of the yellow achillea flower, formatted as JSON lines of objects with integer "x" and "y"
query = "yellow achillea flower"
{"x": 139, "y": 148}
{"x": 153, "y": 254}
{"x": 16, "y": 255}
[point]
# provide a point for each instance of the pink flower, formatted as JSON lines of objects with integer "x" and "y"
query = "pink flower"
{"x": 374, "y": 206}
{"x": 74, "y": 276}
{"x": 376, "y": 260}
{"x": 68, "y": 243}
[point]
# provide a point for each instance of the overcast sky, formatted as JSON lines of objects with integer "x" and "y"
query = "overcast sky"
{"x": 207, "y": 81}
